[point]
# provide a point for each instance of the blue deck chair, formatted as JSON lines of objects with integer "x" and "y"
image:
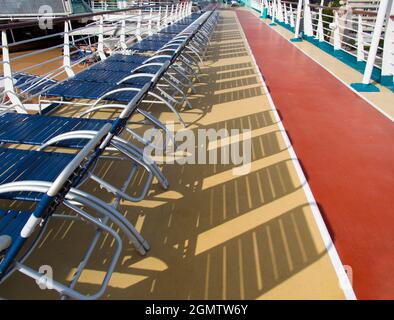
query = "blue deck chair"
{"x": 48, "y": 179}
{"x": 44, "y": 131}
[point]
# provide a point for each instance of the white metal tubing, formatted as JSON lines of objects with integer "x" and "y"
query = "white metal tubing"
{"x": 307, "y": 19}
{"x": 298, "y": 19}
{"x": 8, "y": 78}
{"x": 100, "y": 45}
{"x": 320, "y": 33}
{"x": 122, "y": 38}
{"x": 382, "y": 12}
{"x": 360, "y": 39}
{"x": 388, "y": 48}
{"x": 280, "y": 10}
{"x": 66, "y": 51}
{"x": 285, "y": 13}
{"x": 291, "y": 13}
{"x": 337, "y": 36}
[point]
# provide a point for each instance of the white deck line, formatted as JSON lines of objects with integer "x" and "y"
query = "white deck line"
{"x": 329, "y": 244}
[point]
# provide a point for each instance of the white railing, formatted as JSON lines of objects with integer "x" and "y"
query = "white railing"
{"x": 68, "y": 51}
{"x": 106, "y": 5}
{"x": 364, "y": 39}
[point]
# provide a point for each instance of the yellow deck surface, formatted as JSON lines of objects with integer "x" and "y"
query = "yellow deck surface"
{"x": 213, "y": 235}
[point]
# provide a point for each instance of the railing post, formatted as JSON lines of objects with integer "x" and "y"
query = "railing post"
{"x": 274, "y": 13}
{"x": 337, "y": 35}
{"x": 366, "y": 86}
{"x": 291, "y": 14}
{"x": 280, "y": 10}
{"x": 386, "y": 77}
{"x": 66, "y": 51}
{"x": 139, "y": 25}
{"x": 166, "y": 16}
{"x": 307, "y": 19}
{"x": 184, "y": 10}
{"x": 360, "y": 39}
{"x": 150, "y": 32}
{"x": 159, "y": 19}
{"x": 320, "y": 32}
{"x": 100, "y": 45}
{"x": 122, "y": 38}
{"x": 8, "y": 78}
{"x": 176, "y": 12}
{"x": 172, "y": 14}
{"x": 285, "y": 14}
{"x": 297, "y": 35}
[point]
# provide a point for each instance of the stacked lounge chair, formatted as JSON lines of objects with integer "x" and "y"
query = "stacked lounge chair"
{"x": 51, "y": 180}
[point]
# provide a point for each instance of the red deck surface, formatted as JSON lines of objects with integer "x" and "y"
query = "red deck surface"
{"x": 347, "y": 150}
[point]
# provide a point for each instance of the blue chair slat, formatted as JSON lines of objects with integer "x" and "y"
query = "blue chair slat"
{"x": 135, "y": 59}
{"x": 148, "y": 45}
{"x": 108, "y": 76}
{"x": 173, "y": 29}
{"x": 123, "y": 96}
{"x": 20, "y": 165}
{"x": 159, "y": 37}
{"x": 12, "y": 222}
{"x": 80, "y": 89}
{"x": 114, "y": 65}
{"x": 37, "y": 129}
{"x": 186, "y": 21}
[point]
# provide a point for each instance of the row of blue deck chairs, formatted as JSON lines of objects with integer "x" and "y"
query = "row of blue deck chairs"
{"x": 41, "y": 181}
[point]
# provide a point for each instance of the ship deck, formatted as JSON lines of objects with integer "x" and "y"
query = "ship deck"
{"x": 317, "y": 196}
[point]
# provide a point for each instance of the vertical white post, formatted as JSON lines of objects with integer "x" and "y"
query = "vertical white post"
{"x": 360, "y": 39}
{"x": 291, "y": 14}
{"x": 298, "y": 19}
{"x": 139, "y": 25}
{"x": 166, "y": 16}
{"x": 307, "y": 19}
{"x": 280, "y": 10}
{"x": 176, "y": 12}
{"x": 8, "y": 78}
{"x": 375, "y": 40}
{"x": 320, "y": 33}
{"x": 66, "y": 51}
{"x": 172, "y": 14}
{"x": 100, "y": 46}
{"x": 285, "y": 14}
{"x": 122, "y": 38}
{"x": 261, "y": 8}
{"x": 337, "y": 35}
{"x": 274, "y": 12}
{"x": 150, "y": 21}
{"x": 159, "y": 19}
{"x": 388, "y": 48}
{"x": 184, "y": 11}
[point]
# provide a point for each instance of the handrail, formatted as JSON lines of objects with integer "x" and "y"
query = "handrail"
{"x": 323, "y": 7}
{"x": 24, "y": 24}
